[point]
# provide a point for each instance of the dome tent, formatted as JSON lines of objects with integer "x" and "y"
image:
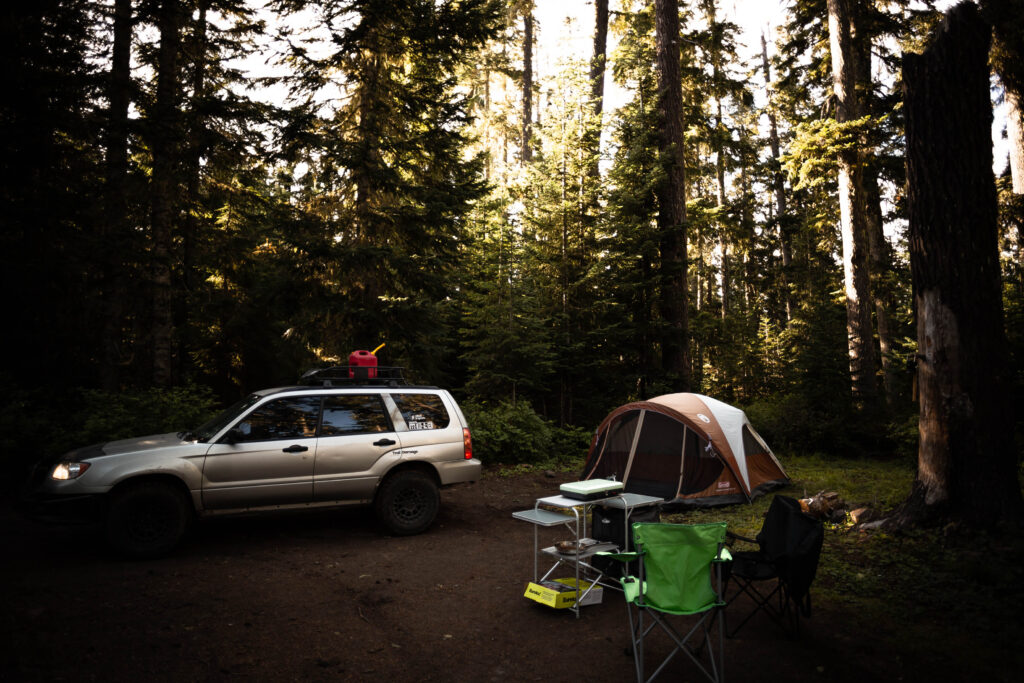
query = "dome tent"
{"x": 691, "y": 450}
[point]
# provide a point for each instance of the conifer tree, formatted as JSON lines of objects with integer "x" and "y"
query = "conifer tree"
{"x": 391, "y": 157}
{"x": 671, "y": 194}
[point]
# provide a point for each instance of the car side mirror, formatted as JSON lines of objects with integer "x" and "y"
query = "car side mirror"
{"x": 233, "y": 436}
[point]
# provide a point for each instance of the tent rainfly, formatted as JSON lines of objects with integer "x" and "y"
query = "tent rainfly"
{"x": 691, "y": 450}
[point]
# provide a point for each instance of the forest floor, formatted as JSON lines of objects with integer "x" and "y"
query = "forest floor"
{"x": 326, "y": 596}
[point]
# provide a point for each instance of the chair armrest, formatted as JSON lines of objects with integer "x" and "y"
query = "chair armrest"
{"x": 631, "y": 588}
{"x": 736, "y": 537}
{"x": 621, "y": 557}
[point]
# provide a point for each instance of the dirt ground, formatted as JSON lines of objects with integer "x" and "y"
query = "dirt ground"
{"x": 326, "y": 596}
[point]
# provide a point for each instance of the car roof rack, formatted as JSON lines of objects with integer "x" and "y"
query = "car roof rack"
{"x": 355, "y": 375}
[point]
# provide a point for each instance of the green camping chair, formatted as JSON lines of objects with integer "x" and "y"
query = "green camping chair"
{"x": 675, "y": 578}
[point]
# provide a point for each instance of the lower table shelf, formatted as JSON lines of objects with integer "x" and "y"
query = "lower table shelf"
{"x": 588, "y": 548}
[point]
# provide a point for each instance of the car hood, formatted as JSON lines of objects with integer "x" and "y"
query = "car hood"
{"x": 142, "y": 443}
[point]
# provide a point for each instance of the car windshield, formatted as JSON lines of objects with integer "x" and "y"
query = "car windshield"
{"x": 211, "y": 428}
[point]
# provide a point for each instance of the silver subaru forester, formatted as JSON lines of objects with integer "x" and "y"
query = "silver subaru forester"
{"x": 329, "y": 442}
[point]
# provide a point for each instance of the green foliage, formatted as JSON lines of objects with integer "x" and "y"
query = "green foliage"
{"x": 817, "y": 144}
{"x": 514, "y": 434}
{"x": 509, "y": 433}
{"x": 107, "y": 416}
{"x": 570, "y": 445}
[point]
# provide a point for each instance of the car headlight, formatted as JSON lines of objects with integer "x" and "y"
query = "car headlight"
{"x": 69, "y": 470}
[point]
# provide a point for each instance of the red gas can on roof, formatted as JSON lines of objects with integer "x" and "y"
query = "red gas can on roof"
{"x": 362, "y": 365}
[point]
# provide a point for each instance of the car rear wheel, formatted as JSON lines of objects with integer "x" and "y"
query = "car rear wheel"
{"x": 147, "y": 519}
{"x": 407, "y": 502}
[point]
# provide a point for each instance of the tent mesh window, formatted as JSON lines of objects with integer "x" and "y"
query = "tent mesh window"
{"x": 655, "y": 467}
{"x": 701, "y": 468}
{"x": 613, "y": 447}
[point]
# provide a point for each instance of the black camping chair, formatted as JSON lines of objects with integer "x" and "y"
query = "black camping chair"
{"x": 789, "y": 545}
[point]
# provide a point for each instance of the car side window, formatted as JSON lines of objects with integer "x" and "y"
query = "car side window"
{"x": 283, "y": 418}
{"x": 422, "y": 411}
{"x": 354, "y": 414}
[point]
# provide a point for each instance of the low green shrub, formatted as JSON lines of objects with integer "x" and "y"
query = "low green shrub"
{"x": 514, "y": 434}
{"x": 571, "y": 445}
{"x": 509, "y": 433}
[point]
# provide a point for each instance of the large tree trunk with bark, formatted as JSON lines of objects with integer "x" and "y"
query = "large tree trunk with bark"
{"x": 967, "y": 463}
{"x": 165, "y": 148}
{"x": 671, "y": 199}
{"x": 852, "y": 207}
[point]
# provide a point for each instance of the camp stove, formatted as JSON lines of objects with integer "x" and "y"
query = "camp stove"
{"x": 592, "y": 489}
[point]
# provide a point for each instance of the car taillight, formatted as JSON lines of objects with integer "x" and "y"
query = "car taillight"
{"x": 467, "y": 442}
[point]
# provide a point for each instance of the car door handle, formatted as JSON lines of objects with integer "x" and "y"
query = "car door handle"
{"x": 296, "y": 448}
{"x": 384, "y": 442}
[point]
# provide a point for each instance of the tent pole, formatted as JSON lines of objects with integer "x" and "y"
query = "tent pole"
{"x": 682, "y": 462}
{"x": 632, "y": 448}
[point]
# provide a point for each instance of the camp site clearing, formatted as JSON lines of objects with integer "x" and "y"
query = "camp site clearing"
{"x": 325, "y": 596}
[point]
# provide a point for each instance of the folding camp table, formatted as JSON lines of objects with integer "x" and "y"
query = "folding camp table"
{"x": 572, "y": 513}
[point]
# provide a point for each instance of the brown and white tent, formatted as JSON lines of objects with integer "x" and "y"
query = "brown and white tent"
{"x": 691, "y": 450}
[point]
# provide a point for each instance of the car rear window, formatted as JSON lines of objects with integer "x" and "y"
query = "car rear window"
{"x": 422, "y": 411}
{"x": 354, "y": 414}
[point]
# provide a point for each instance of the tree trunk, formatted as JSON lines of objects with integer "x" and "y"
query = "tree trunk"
{"x": 723, "y": 237}
{"x": 195, "y": 146}
{"x": 852, "y": 208}
{"x": 879, "y": 252}
{"x": 1015, "y": 137}
{"x": 193, "y": 149}
{"x": 967, "y": 463}
{"x": 366, "y": 168}
{"x": 165, "y": 149}
{"x": 671, "y": 199}
{"x": 526, "y": 154}
{"x": 597, "y": 68}
{"x": 115, "y": 227}
{"x": 881, "y": 267}
{"x": 1007, "y": 59}
{"x": 779, "y": 186}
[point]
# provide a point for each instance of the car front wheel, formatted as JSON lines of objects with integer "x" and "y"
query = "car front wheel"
{"x": 147, "y": 519}
{"x": 407, "y": 502}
